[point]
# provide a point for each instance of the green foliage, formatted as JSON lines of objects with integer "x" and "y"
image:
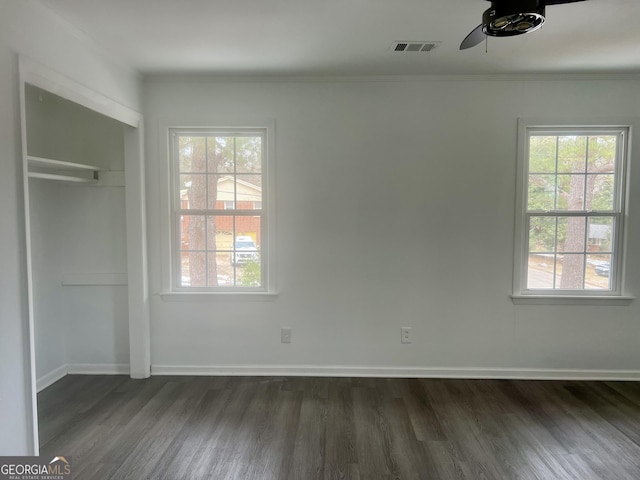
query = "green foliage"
{"x": 220, "y": 154}
{"x": 542, "y": 235}
{"x": 572, "y": 152}
{"x": 251, "y": 275}
{"x": 602, "y": 153}
{"x": 542, "y": 154}
{"x": 541, "y": 195}
{"x": 571, "y": 172}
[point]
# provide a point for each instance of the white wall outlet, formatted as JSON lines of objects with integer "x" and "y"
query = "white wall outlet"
{"x": 405, "y": 334}
{"x": 285, "y": 335}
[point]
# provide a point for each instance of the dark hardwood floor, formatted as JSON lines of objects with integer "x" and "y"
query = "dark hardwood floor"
{"x": 339, "y": 428}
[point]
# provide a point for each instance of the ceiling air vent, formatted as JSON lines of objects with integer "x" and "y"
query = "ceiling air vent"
{"x": 414, "y": 46}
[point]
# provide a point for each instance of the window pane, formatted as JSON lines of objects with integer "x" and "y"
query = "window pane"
{"x": 221, "y": 191}
{"x": 600, "y": 192}
{"x": 602, "y": 154}
{"x": 248, "y": 191}
{"x": 247, "y": 232}
{"x": 245, "y": 257}
{"x": 601, "y": 234}
{"x": 192, "y": 229}
{"x": 542, "y": 154}
{"x": 193, "y": 191}
{"x": 542, "y": 234}
{"x": 570, "y": 192}
{"x": 571, "y": 234}
{"x": 249, "y": 272}
{"x": 191, "y": 153}
{"x": 572, "y": 152}
{"x": 598, "y": 272}
{"x": 221, "y": 154}
{"x": 571, "y": 270}
{"x": 217, "y": 276}
{"x": 193, "y": 272}
{"x": 226, "y": 272}
{"x": 542, "y": 193}
{"x": 540, "y": 271}
{"x": 248, "y": 154}
{"x": 220, "y": 230}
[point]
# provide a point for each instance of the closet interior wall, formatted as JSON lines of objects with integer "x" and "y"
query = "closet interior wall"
{"x": 78, "y": 240}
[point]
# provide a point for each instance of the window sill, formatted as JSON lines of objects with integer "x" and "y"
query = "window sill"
{"x": 218, "y": 296}
{"x": 601, "y": 300}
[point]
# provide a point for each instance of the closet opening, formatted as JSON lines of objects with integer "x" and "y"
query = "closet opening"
{"x": 85, "y": 231}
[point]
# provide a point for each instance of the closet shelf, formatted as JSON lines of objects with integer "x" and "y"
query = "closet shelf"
{"x": 59, "y": 165}
{"x": 62, "y": 178}
{"x": 50, "y": 169}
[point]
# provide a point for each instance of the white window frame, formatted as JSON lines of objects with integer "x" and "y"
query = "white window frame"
{"x": 614, "y": 296}
{"x": 170, "y": 244}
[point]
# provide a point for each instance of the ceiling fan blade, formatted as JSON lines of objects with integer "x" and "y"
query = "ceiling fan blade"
{"x": 474, "y": 38}
{"x": 560, "y": 2}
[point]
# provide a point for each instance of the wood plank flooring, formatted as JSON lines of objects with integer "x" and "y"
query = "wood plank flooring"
{"x": 297, "y": 428}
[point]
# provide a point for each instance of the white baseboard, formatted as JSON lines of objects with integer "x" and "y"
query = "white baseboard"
{"x": 398, "y": 372}
{"x": 50, "y": 378}
{"x": 341, "y": 371}
{"x": 80, "y": 369}
{"x": 98, "y": 369}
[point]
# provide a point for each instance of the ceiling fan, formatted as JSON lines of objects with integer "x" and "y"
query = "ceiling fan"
{"x": 506, "y": 18}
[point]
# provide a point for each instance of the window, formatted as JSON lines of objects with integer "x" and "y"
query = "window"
{"x": 571, "y": 211}
{"x": 219, "y": 224}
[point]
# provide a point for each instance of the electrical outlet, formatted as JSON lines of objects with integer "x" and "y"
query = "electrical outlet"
{"x": 405, "y": 334}
{"x": 285, "y": 335}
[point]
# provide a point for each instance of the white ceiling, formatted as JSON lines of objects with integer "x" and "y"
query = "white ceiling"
{"x": 351, "y": 37}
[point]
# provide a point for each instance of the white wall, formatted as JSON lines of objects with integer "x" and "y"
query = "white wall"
{"x": 97, "y": 321}
{"x": 29, "y": 29}
{"x": 51, "y": 333}
{"x": 77, "y": 231}
{"x": 395, "y": 207}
